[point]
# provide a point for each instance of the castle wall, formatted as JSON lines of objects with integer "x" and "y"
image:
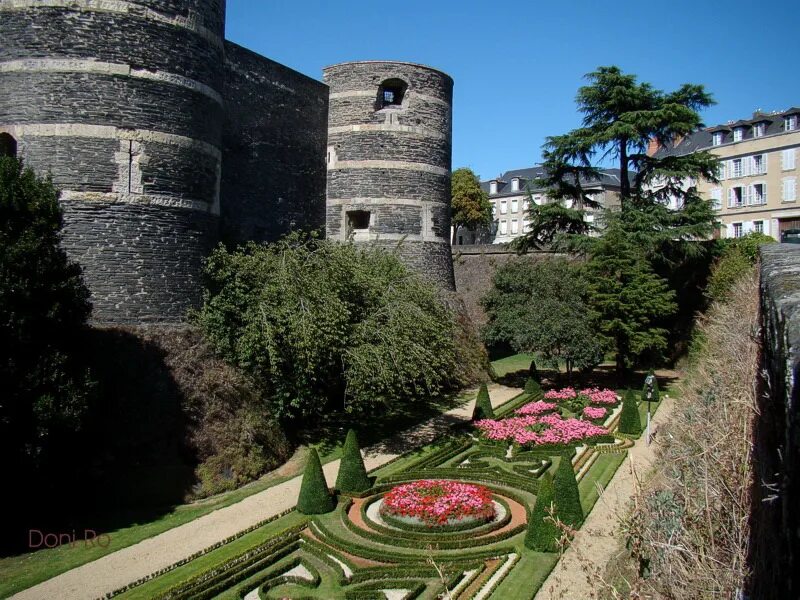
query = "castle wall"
{"x": 389, "y": 162}
{"x": 274, "y": 137}
{"x": 120, "y": 102}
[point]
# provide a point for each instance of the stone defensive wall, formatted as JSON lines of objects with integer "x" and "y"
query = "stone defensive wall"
{"x": 389, "y": 160}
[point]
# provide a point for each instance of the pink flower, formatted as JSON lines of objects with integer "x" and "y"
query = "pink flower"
{"x": 601, "y": 396}
{"x": 563, "y": 394}
{"x": 592, "y": 412}
{"x": 536, "y": 408}
{"x": 437, "y": 501}
{"x": 551, "y": 429}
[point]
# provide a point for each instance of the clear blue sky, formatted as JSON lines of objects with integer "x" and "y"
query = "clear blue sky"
{"x": 517, "y": 64}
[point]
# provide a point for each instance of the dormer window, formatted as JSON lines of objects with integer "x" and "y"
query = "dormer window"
{"x": 391, "y": 93}
{"x": 790, "y": 123}
{"x": 493, "y": 187}
{"x": 716, "y": 138}
{"x": 515, "y": 184}
{"x": 738, "y": 134}
{"x": 759, "y": 129}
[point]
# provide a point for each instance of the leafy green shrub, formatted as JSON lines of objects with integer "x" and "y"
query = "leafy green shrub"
{"x": 325, "y": 326}
{"x": 565, "y": 491}
{"x": 483, "y": 405}
{"x": 352, "y": 475}
{"x": 532, "y": 387}
{"x": 629, "y": 420}
{"x": 314, "y": 499}
{"x": 736, "y": 259}
{"x": 542, "y": 534}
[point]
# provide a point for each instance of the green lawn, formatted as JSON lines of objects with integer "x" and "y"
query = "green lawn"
{"x": 512, "y": 364}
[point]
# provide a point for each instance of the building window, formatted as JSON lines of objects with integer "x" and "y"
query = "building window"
{"x": 759, "y": 129}
{"x": 526, "y": 204}
{"x": 759, "y": 164}
{"x": 790, "y": 123}
{"x": 494, "y": 208}
{"x": 503, "y": 207}
{"x": 736, "y": 197}
{"x": 716, "y": 138}
{"x": 787, "y": 159}
{"x": 758, "y": 194}
{"x": 493, "y": 187}
{"x": 722, "y": 171}
{"x": 737, "y": 230}
{"x": 514, "y": 205}
{"x": 515, "y": 184}
{"x": 503, "y": 227}
{"x": 8, "y": 145}
{"x": 758, "y": 226}
{"x": 357, "y": 220}
{"x": 716, "y": 198}
{"x": 738, "y": 133}
{"x": 514, "y": 226}
{"x": 390, "y": 93}
{"x": 737, "y": 167}
{"x": 789, "y": 192}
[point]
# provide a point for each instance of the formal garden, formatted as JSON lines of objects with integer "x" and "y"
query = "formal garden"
{"x": 480, "y": 513}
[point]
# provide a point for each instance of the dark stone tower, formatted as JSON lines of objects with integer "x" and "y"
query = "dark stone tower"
{"x": 389, "y": 159}
{"x": 121, "y": 101}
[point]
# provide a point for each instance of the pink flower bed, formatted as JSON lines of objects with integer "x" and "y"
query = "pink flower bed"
{"x": 536, "y": 408}
{"x": 600, "y": 396}
{"x": 439, "y": 501}
{"x": 553, "y": 430}
{"x": 562, "y": 394}
{"x": 594, "y": 412}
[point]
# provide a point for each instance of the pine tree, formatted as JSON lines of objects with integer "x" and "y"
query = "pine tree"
{"x": 567, "y": 496}
{"x": 352, "y": 472}
{"x": 629, "y": 420}
{"x": 483, "y": 405}
{"x": 314, "y": 499}
{"x": 532, "y": 387}
{"x": 542, "y": 534}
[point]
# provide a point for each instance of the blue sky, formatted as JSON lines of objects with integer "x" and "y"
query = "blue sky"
{"x": 518, "y": 64}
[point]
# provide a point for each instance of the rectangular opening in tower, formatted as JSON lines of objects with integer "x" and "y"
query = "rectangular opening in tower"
{"x": 358, "y": 220}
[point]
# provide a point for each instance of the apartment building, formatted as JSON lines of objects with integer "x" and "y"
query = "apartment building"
{"x": 511, "y": 193}
{"x": 759, "y": 158}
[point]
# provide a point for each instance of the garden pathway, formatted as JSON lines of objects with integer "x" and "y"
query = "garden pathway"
{"x": 575, "y": 577}
{"x": 100, "y": 577}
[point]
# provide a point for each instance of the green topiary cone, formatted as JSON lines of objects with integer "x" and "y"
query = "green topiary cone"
{"x": 532, "y": 387}
{"x": 352, "y": 472}
{"x": 483, "y": 406}
{"x": 567, "y": 497}
{"x": 542, "y": 534}
{"x": 629, "y": 421}
{"x": 315, "y": 499}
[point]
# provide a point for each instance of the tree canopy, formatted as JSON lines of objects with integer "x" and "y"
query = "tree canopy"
{"x": 469, "y": 203}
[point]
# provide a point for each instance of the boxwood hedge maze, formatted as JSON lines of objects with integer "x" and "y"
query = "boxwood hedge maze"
{"x": 362, "y": 550}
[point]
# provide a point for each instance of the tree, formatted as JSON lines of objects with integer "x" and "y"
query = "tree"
{"x": 629, "y": 299}
{"x": 621, "y": 117}
{"x": 352, "y": 475}
{"x": 543, "y": 534}
{"x": 315, "y": 498}
{"x": 566, "y": 494}
{"x": 483, "y": 405}
{"x": 540, "y": 307}
{"x": 470, "y": 205}
{"x": 44, "y": 306}
{"x": 629, "y": 420}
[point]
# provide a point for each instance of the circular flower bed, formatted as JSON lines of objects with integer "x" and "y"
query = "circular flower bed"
{"x": 439, "y": 502}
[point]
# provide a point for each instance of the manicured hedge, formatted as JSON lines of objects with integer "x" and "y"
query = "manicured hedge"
{"x": 352, "y": 475}
{"x": 483, "y": 405}
{"x": 629, "y": 421}
{"x": 542, "y": 532}
{"x": 314, "y": 499}
{"x": 566, "y": 494}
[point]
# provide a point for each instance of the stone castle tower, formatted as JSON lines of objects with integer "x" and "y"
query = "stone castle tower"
{"x": 389, "y": 159}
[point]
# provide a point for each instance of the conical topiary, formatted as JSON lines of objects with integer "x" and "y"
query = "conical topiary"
{"x": 629, "y": 420}
{"x": 656, "y": 395}
{"x": 532, "y": 387}
{"x": 566, "y": 494}
{"x": 533, "y": 372}
{"x": 352, "y": 472}
{"x": 483, "y": 406}
{"x": 542, "y": 534}
{"x": 315, "y": 499}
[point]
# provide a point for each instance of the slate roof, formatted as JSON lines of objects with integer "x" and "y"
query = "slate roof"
{"x": 701, "y": 140}
{"x": 608, "y": 178}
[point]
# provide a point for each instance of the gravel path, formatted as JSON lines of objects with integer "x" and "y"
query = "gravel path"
{"x": 573, "y": 576}
{"x": 95, "y": 579}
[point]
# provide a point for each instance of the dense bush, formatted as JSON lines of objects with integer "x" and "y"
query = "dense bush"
{"x": 629, "y": 420}
{"x": 734, "y": 262}
{"x": 543, "y": 534}
{"x": 352, "y": 475}
{"x": 315, "y": 498}
{"x": 483, "y": 405}
{"x": 566, "y": 494}
{"x": 327, "y": 326}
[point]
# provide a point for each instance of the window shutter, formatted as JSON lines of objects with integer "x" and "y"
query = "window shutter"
{"x": 730, "y": 197}
{"x": 764, "y": 163}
